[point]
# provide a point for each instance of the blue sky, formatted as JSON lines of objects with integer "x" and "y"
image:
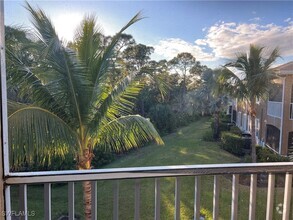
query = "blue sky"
{"x": 213, "y": 31}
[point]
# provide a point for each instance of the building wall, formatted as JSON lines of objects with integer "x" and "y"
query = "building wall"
{"x": 287, "y": 122}
{"x": 264, "y": 119}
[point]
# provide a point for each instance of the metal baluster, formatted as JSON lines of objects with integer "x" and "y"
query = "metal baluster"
{"x": 47, "y": 201}
{"x": 235, "y": 190}
{"x": 252, "y": 197}
{"x": 116, "y": 200}
{"x": 23, "y": 201}
{"x": 270, "y": 197}
{"x": 137, "y": 200}
{"x": 71, "y": 200}
{"x": 287, "y": 196}
{"x": 196, "y": 214}
{"x": 94, "y": 200}
{"x": 157, "y": 199}
{"x": 177, "y": 198}
{"x": 216, "y": 197}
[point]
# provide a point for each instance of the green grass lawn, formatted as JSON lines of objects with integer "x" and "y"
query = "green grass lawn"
{"x": 181, "y": 148}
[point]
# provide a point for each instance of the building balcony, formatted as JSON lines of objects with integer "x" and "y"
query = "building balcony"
{"x": 216, "y": 173}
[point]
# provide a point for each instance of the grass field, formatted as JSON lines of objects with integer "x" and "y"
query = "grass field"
{"x": 181, "y": 148}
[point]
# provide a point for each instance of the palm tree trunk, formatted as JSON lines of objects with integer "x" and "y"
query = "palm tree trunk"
{"x": 253, "y": 137}
{"x": 216, "y": 125}
{"x": 87, "y": 199}
{"x": 84, "y": 163}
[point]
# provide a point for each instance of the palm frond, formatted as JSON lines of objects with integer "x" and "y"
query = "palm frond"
{"x": 36, "y": 134}
{"x": 66, "y": 77}
{"x": 127, "y": 132}
{"x": 272, "y": 58}
{"x": 88, "y": 42}
{"x": 232, "y": 83}
{"x": 29, "y": 84}
{"x": 15, "y": 106}
{"x": 113, "y": 102}
{"x": 103, "y": 58}
{"x": 45, "y": 29}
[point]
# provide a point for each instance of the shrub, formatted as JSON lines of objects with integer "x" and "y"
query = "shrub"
{"x": 223, "y": 126}
{"x": 206, "y": 214}
{"x": 225, "y": 118}
{"x": 265, "y": 154}
{"x": 54, "y": 163}
{"x": 235, "y": 130}
{"x": 102, "y": 157}
{"x": 232, "y": 143}
{"x": 163, "y": 118}
{"x": 208, "y": 136}
{"x": 183, "y": 119}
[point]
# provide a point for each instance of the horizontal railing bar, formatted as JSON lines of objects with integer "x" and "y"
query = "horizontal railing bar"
{"x": 146, "y": 172}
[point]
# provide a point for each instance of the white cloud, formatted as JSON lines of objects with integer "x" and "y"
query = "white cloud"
{"x": 169, "y": 48}
{"x": 200, "y": 42}
{"x": 226, "y": 39}
{"x": 256, "y": 19}
{"x": 287, "y": 20}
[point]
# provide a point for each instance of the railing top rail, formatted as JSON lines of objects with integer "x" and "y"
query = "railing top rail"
{"x": 146, "y": 172}
{"x": 275, "y": 102}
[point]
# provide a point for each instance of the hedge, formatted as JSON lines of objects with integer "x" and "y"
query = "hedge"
{"x": 264, "y": 154}
{"x": 235, "y": 130}
{"x": 232, "y": 143}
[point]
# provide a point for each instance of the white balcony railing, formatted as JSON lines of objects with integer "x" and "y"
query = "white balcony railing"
{"x": 275, "y": 109}
{"x": 139, "y": 173}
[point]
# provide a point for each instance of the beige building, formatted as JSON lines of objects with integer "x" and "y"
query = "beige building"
{"x": 274, "y": 120}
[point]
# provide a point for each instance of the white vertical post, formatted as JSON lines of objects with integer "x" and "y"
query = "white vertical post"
{"x": 71, "y": 200}
{"x": 137, "y": 200}
{"x": 47, "y": 201}
{"x": 235, "y": 190}
{"x": 177, "y": 198}
{"x": 157, "y": 199}
{"x": 252, "y": 198}
{"x": 5, "y": 197}
{"x": 270, "y": 197}
{"x": 116, "y": 200}
{"x": 4, "y": 119}
{"x": 7, "y": 202}
{"x": 216, "y": 198}
{"x": 287, "y": 196}
{"x": 196, "y": 214}
{"x": 23, "y": 201}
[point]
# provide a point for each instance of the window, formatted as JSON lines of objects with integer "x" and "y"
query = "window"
{"x": 292, "y": 94}
{"x": 275, "y": 93}
{"x": 257, "y": 126}
{"x": 273, "y": 137}
{"x": 291, "y": 111}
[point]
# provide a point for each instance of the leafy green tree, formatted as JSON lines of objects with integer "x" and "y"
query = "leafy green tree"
{"x": 210, "y": 97}
{"x": 181, "y": 64}
{"x": 74, "y": 106}
{"x": 251, "y": 80}
{"x": 184, "y": 64}
{"x": 137, "y": 55}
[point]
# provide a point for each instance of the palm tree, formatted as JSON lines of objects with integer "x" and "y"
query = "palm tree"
{"x": 257, "y": 75}
{"x": 212, "y": 97}
{"x": 74, "y": 105}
